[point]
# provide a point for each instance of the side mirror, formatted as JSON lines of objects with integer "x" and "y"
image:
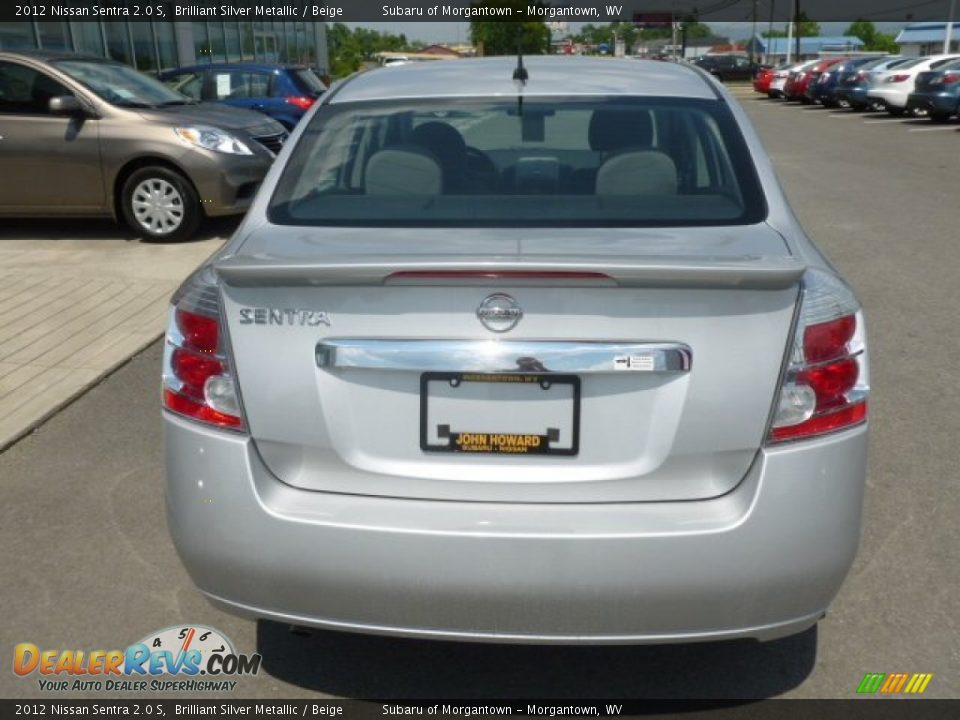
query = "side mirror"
{"x": 66, "y": 105}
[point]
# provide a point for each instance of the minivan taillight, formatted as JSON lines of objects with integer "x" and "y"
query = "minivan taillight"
{"x": 826, "y": 383}
{"x": 197, "y": 382}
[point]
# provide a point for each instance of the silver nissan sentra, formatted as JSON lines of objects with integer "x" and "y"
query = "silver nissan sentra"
{"x": 525, "y": 352}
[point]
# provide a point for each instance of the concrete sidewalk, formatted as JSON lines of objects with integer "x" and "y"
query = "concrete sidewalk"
{"x": 77, "y": 299}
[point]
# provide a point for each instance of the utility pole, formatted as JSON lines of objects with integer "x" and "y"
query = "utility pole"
{"x": 753, "y": 34}
{"x": 770, "y": 30}
{"x": 796, "y": 16}
{"x": 790, "y": 40}
{"x": 949, "y": 34}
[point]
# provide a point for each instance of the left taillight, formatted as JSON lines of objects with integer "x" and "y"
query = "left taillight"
{"x": 197, "y": 378}
{"x": 826, "y": 383}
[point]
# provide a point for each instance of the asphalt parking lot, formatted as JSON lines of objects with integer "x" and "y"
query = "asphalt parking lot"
{"x": 88, "y": 562}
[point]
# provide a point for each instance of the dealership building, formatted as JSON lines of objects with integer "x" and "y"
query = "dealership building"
{"x": 153, "y": 46}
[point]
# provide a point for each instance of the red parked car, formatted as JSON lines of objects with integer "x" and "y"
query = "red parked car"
{"x": 762, "y": 80}
{"x": 797, "y": 83}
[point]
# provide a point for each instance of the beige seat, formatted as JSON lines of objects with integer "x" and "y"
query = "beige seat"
{"x": 638, "y": 172}
{"x": 403, "y": 170}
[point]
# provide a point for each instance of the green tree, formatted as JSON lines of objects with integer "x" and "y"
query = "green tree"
{"x": 697, "y": 30}
{"x": 504, "y": 38}
{"x": 873, "y": 39}
{"x": 350, "y": 49}
{"x": 604, "y": 34}
{"x": 608, "y": 34}
{"x": 804, "y": 27}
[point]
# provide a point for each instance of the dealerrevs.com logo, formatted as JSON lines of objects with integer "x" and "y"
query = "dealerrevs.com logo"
{"x": 190, "y": 658}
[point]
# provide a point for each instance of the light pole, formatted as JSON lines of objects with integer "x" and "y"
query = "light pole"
{"x": 790, "y": 40}
{"x": 948, "y": 36}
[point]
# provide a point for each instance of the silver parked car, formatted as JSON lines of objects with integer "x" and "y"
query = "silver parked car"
{"x": 532, "y": 354}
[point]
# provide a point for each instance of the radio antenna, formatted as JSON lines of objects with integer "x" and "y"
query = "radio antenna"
{"x": 520, "y": 77}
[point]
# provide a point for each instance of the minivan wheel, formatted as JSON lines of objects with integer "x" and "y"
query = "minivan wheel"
{"x": 161, "y": 204}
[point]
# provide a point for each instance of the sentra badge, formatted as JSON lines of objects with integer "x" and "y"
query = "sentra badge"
{"x": 283, "y": 316}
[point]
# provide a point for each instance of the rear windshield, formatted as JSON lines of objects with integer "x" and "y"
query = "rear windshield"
{"x": 308, "y": 82}
{"x": 540, "y": 162}
{"x": 911, "y": 63}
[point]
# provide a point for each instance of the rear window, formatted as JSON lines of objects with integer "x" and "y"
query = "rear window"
{"x": 911, "y": 63}
{"x": 502, "y": 162}
{"x": 307, "y": 81}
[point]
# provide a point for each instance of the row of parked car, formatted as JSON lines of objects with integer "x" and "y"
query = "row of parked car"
{"x": 927, "y": 86}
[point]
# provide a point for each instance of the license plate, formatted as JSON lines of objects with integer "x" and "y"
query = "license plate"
{"x": 499, "y": 414}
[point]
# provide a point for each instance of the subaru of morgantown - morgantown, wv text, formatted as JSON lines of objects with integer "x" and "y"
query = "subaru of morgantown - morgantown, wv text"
{"x": 520, "y": 350}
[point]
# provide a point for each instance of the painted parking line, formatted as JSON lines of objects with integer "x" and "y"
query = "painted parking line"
{"x": 938, "y": 128}
{"x": 882, "y": 121}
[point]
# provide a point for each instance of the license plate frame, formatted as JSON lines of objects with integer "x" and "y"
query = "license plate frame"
{"x": 499, "y": 444}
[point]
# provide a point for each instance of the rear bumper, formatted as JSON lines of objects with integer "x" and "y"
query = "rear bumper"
{"x": 761, "y": 562}
{"x": 933, "y": 102}
{"x": 857, "y": 96}
{"x": 889, "y": 96}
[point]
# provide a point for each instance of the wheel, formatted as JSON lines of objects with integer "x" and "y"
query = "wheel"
{"x": 896, "y": 111}
{"x": 939, "y": 117}
{"x": 161, "y": 204}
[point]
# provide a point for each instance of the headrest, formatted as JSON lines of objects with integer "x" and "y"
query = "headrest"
{"x": 442, "y": 140}
{"x": 641, "y": 172}
{"x": 403, "y": 170}
{"x": 612, "y": 130}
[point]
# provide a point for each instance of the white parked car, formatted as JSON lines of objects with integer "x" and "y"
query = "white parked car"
{"x": 781, "y": 76}
{"x": 891, "y": 88}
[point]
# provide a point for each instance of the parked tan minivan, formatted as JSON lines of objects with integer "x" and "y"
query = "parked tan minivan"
{"x": 84, "y": 136}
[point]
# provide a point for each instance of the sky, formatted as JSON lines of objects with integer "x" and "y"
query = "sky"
{"x": 453, "y": 32}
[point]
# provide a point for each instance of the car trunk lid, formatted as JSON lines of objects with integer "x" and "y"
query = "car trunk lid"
{"x": 645, "y": 360}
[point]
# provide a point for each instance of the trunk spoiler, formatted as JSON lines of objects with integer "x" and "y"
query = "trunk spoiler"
{"x": 749, "y": 271}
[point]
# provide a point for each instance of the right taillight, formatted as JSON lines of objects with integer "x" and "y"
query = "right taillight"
{"x": 826, "y": 383}
{"x": 897, "y": 78}
{"x": 197, "y": 379}
{"x": 950, "y": 78}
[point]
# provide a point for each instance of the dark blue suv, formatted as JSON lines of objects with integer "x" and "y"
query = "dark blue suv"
{"x": 284, "y": 92}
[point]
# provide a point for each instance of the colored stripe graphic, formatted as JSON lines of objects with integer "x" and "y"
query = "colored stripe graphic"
{"x": 893, "y": 683}
{"x": 918, "y": 683}
{"x": 871, "y": 682}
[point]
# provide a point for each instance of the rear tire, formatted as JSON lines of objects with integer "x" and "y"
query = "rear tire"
{"x": 939, "y": 117}
{"x": 160, "y": 204}
{"x": 897, "y": 111}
